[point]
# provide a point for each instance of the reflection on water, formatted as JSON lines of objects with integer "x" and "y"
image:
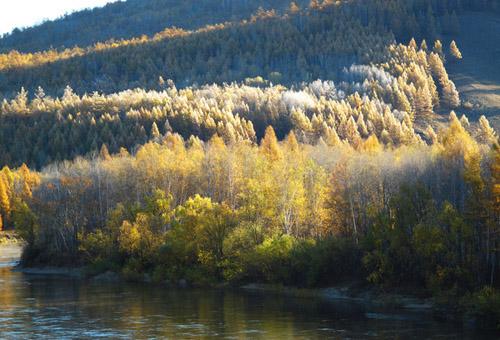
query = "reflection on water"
{"x": 34, "y": 307}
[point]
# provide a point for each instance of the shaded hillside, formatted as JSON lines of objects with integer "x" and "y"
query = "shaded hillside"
{"x": 132, "y": 18}
{"x": 299, "y": 45}
{"x": 291, "y": 48}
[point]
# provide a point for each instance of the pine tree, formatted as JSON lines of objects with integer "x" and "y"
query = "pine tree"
{"x": 495, "y": 170}
{"x": 453, "y": 24}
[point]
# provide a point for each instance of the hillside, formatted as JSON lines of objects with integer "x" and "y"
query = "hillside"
{"x": 298, "y": 47}
{"x": 132, "y": 18}
{"x": 298, "y": 44}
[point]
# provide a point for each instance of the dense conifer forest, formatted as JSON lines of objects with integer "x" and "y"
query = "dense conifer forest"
{"x": 307, "y": 143}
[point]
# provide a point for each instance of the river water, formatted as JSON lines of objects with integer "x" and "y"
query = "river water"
{"x": 59, "y": 308}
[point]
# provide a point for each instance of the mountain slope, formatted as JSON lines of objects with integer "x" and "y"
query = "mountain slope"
{"x": 124, "y": 20}
{"x": 290, "y": 45}
{"x": 294, "y": 48}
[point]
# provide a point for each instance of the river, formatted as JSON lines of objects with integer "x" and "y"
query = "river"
{"x": 33, "y": 306}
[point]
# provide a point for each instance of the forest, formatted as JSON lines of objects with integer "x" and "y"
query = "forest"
{"x": 299, "y": 44}
{"x": 385, "y": 99}
{"x": 306, "y": 144}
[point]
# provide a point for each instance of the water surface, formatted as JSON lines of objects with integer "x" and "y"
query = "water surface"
{"x": 58, "y": 308}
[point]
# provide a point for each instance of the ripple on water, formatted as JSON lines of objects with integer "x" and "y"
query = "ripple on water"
{"x": 252, "y": 331}
{"x": 382, "y": 316}
{"x": 8, "y": 264}
{"x": 191, "y": 326}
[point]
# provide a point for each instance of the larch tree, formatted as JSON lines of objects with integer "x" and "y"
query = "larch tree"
{"x": 423, "y": 102}
{"x": 104, "y": 153}
{"x": 487, "y": 134}
{"x": 155, "y": 133}
{"x": 293, "y": 8}
{"x": 269, "y": 145}
{"x": 314, "y": 4}
{"x": 454, "y": 51}
{"x": 413, "y": 44}
{"x": 451, "y": 97}
{"x": 423, "y": 46}
{"x": 438, "y": 49}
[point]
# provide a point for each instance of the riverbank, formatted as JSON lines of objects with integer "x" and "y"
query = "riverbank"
{"x": 366, "y": 298}
{"x": 67, "y": 308}
{"x": 352, "y": 293}
{"x": 51, "y": 271}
